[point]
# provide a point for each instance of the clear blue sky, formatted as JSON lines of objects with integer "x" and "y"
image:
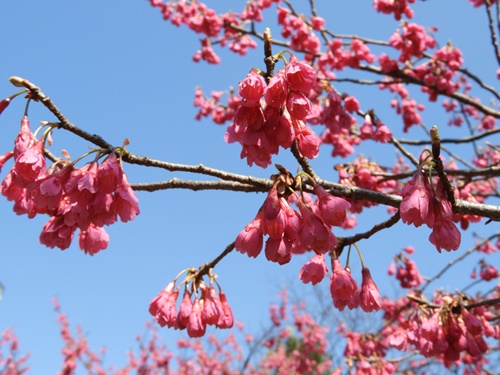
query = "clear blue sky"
{"x": 119, "y": 70}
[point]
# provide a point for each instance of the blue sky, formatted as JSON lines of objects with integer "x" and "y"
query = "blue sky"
{"x": 120, "y": 71}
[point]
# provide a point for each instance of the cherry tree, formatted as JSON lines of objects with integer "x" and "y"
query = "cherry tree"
{"x": 302, "y": 101}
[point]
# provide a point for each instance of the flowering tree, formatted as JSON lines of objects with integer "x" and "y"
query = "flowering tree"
{"x": 293, "y": 103}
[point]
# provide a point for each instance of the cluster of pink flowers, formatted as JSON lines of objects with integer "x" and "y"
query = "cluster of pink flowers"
{"x": 406, "y": 272}
{"x": 300, "y": 32}
{"x": 203, "y": 20}
{"x": 446, "y": 334}
{"x": 363, "y": 173}
{"x": 422, "y": 205}
{"x": 438, "y": 72}
{"x": 86, "y": 198}
{"x": 377, "y": 132}
{"x": 412, "y": 41}
{"x": 207, "y": 308}
{"x": 338, "y": 57}
{"x": 407, "y": 107}
{"x": 398, "y": 7}
{"x": 345, "y": 291}
{"x": 290, "y": 231}
{"x": 211, "y": 106}
{"x": 262, "y": 126}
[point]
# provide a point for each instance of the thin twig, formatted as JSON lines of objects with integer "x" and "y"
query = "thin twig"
{"x": 456, "y": 260}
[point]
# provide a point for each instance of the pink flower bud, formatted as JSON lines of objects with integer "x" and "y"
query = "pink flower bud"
{"x": 125, "y": 201}
{"x": 252, "y": 87}
{"x": 314, "y": 234}
{"x": 343, "y": 287}
{"x": 30, "y": 164}
{"x": 332, "y": 209}
{"x": 278, "y": 250}
{"x": 307, "y": 141}
{"x": 195, "y": 326}
{"x": 4, "y": 158}
{"x": 163, "y": 306}
{"x": 4, "y": 103}
{"x": 277, "y": 91}
{"x": 417, "y": 204}
{"x": 212, "y": 307}
{"x": 300, "y": 76}
{"x": 298, "y": 105}
{"x": 250, "y": 239}
{"x": 109, "y": 174}
{"x": 226, "y": 320}
{"x": 185, "y": 310}
{"x": 314, "y": 271}
{"x": 93, "y": 239}
{"x": 24, "y": 139}
{"x": 56, "y": 233}
{"x": 369, "y": 298}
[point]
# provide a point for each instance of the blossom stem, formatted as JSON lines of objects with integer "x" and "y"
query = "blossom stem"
{"x": 360, "y": 256}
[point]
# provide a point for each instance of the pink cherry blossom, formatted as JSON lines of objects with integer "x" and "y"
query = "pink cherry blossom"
{"x": 212, "y": 307}
{"x": 300, "y": 76}
{"x": 93, "y": 239}
{"x": 109, "y": 174}
{"x": 277, "y": 91}
{"x": 163, "y": 306}
{"x": 24, "y": 139}
{"x": 343, "y": 287}
{"x": 195, "y": 325}
{"x": 56, "y": 233}
{"x": 417, "y": 205}
{"x": 369, "y": 297}
{"x": 30, "y": 164}
{"x": 314, "y": 270}
{"x": 125, "y": 201}
{"x": 250, "y": 240}
{"x": 226, "y": 319}
{"x": 251, "y": 88}
{"x": 314, "y": 234}
{"x": 278, "y": 250}
{"x": 333, "y": 209}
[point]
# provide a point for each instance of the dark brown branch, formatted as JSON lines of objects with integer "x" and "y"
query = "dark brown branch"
{"x": 493, "y": 34}
{"x": 205, "y": 268}
{"x": 452, "y": 140}
{"x": 176, "y": 183}
{"x": 456, "y": 95}
{"x": 345, "y": 241}
{"x": 304, "y": 163}
{"x": 259, "y": 184}
{"x": 483, "y": 85}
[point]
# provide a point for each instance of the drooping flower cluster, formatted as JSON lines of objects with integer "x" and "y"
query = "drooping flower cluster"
{"x": 274, "y": 115}
{"x": 200, "y": 306}
{"x": 438, "y": 73}
{"x": 86, "y": 198}
{"x": 290, "y": 231}
{"x": 406, "y": 272}
{"x": 398, "y": 7}
{"x": 422, "y": 205}
{"x": 412, "y": 41}
{"x": 299, "y": 32}
{"x": 448, "y": 333}
{"x": 345, "y": 291}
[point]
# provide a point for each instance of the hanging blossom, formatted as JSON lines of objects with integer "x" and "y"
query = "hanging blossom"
{"x": 423, "y": 205}
{"x": 273, "y": 115}
{"x": 200, "y": 306}
{"x": 86, "y": 198}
